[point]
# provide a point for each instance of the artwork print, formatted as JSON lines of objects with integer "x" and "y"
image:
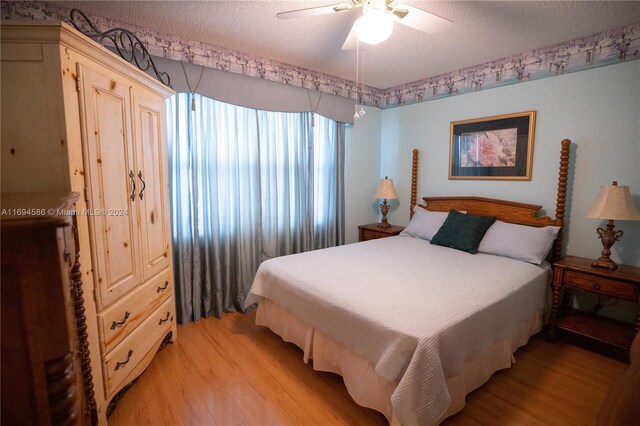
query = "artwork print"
{"x": 496, "y": 147}
{"x": 493, "y": 148}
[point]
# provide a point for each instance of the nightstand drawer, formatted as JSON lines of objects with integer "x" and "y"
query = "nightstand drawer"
{"x": 595, "y": 284}
{"x": 367, "y": 235}
{"x": 374, "y": 232}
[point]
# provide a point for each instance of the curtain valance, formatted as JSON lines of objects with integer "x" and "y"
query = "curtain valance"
{"x": 255, "y": 93}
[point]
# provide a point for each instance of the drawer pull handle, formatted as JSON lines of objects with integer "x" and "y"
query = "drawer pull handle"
{"x": 160, "y": 289}
{"x": 121, "y": 363}
{"x": 118, "y": 324}
{"x": 596, "y": 285}
{"x": 165, "y": 319}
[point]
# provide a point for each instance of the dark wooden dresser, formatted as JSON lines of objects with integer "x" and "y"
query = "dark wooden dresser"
{"x": 46, "y": 375}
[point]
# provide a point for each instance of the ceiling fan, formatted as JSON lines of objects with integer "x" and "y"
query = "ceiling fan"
{"x": 376, "y": 23}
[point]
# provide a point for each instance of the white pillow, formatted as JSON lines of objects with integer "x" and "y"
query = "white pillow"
{"x": 424, "y": 223}
{"x": 521, "y": 242}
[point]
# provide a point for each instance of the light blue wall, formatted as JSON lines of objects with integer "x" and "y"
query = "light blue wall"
{"x": 599, "y": 110}
{"x": 362, "y": 159}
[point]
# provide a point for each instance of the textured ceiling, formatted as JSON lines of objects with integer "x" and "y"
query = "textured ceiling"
{"x": 483, "y": 31}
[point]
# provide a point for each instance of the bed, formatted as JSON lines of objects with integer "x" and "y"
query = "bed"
{"x": 411, "y": 326}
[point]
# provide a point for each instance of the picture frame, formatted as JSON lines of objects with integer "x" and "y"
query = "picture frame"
{"x": 499, "y": 147}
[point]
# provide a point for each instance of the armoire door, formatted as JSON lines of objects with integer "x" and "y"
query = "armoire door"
{"x": 149, "y": 131}
{"x": 112, "y": 183}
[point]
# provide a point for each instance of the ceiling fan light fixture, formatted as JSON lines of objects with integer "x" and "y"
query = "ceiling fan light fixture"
{"x": 374, "y": 26}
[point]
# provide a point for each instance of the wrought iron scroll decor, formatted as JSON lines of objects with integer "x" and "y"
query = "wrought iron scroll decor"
{"x": 127, "y": 44}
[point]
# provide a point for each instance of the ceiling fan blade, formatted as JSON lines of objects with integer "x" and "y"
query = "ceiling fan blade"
{"x": 313, "y": 11}
{"x": 420, "y": 19}
{"x": 351, "y": 42}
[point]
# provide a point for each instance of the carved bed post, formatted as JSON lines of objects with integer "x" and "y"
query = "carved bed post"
{"x": 414, "y": 182}
{"x": 562, "y": 195}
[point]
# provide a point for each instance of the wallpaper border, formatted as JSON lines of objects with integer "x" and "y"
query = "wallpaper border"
{"x": 605, "y": 48}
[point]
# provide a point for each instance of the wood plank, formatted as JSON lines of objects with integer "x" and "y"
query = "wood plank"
{"x": 231, "y": 371}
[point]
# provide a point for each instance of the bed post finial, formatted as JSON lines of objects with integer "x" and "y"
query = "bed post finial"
{"x": 562, "y": 195}
{"x": 414, "y": 182}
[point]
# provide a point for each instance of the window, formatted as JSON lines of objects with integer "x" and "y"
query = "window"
{"x": 248, "y": 185}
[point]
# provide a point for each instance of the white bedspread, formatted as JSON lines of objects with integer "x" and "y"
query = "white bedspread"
{"x": 416, "y": 311}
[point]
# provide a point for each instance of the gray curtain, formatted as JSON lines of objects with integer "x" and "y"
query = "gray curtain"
{"x": 246, "y": 186}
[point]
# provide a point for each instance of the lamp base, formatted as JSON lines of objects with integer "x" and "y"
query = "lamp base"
{"x": 608, "y": 237}
{"x": 384, "y": 209}
{"x": 605, "y": 262}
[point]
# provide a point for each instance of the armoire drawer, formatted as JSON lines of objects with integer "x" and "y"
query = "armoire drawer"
{"x": 123, "y": 361}
{"x": 118, "y": 321}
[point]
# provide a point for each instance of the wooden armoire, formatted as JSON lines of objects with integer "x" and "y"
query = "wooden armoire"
{"x": 76, "y": 117}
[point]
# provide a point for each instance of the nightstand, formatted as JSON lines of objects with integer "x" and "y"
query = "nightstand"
{"x": 577, "y": 273}
{"x": 372, "y": 232}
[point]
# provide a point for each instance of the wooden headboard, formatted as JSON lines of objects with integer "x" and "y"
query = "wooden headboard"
{"x": 506, "y": 211}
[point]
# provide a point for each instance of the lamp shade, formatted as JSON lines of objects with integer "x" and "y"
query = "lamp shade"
{"x": 614, "y": 202}
{"x": 386, "y": 190}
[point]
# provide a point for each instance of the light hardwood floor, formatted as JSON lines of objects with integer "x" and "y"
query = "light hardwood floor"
{"x": 232, "y": 372}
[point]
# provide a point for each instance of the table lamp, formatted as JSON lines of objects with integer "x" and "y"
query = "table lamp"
{"x": 613, "y": 202}
{"x": 385, "y": 191}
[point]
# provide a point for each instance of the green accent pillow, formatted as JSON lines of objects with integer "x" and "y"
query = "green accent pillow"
{"x": 462, "y": 231}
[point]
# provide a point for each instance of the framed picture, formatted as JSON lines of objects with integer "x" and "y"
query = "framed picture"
{"x": 498, "y": 147}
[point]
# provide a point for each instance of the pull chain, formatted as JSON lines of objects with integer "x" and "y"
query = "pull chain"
{"x": 356, "y": 115}
{"x": 359, "y": 82}
{"x": 313, "y": 110}
{"x": 192, "y": 91}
